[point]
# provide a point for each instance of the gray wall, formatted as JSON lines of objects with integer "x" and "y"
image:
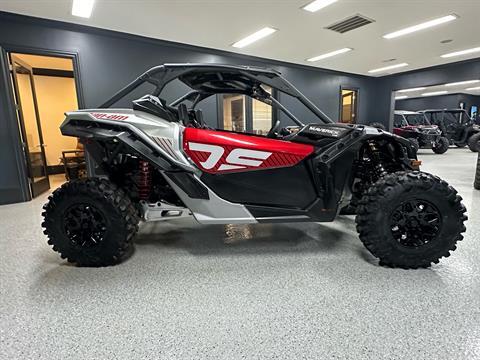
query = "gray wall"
{"x": 108, "y": 60}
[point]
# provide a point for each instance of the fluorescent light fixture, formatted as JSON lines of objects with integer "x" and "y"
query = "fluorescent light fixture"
{"x": 473, "y": 88}
{"x": 463, "y": 83}
{"x": 82, "y": 8}
{"x": 433, "y": 93}
{"x": 260, "y": 34}
{"x": 401, "y": 97}
{"x": 421, "y": 26}
{"x": 411, "y": 90}
{"x": 462, "y": 52}
{"x": 318, "y": 5}
{"x": 386, "y": 68}
{"x": 330, "y": 54}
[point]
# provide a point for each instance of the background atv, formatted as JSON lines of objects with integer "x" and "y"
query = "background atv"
{"x": 456, "y": 125}
{"x": 161, "y": 161}
{"x": 415, "y": 127}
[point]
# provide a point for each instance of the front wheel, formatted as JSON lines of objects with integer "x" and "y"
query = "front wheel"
{"x": 90, "y": 222}
{"x": 410, "y": 219}
{"x": 474, "y": 142}
{"x": 441, "y": 146}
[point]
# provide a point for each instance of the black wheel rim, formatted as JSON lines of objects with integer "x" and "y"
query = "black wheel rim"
{"x": 415, "y": 223}
{"x": 84, "y": 225}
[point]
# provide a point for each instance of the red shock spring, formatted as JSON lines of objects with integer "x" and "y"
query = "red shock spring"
{"x": 144, "y": 180}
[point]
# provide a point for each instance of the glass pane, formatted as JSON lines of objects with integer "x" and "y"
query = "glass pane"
{"x": 31, "y": 125}
{"x": 234, "y": 112}
{"x": 262, "y": 115}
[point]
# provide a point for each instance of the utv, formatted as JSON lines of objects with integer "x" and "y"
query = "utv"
{"x": 160, "y": 161}
{"x": 456, "y": 126}
{"x": 416, "y": 128}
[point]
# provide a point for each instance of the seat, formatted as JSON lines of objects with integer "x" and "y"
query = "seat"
{"x": 155, "y": 106}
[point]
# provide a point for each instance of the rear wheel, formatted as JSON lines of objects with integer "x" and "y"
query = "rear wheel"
{"x": 410, "y": 219}
{"x": 441, "y": 146}
{"x": 90, "y": 222}
{"x": 474, "y": 142}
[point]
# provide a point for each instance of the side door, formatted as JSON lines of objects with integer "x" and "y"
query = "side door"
{"x": 30, "y": 126}
{"x": 251, "y": 169}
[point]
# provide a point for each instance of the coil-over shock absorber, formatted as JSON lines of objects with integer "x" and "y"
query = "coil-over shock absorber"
{"x": 144, "y": 180}
{"x": 376, "y": 158}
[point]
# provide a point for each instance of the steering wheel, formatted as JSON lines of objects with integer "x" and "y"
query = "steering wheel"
{"x": 273, "y": 131}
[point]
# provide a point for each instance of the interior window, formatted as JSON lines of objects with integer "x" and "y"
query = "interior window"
{"x": 234, "y": 112}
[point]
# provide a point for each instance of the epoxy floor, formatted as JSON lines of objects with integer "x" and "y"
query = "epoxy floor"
{"x": 293, "y": 291}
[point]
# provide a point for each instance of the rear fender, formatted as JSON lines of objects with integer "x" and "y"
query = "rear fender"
{"x": 162, "y": 152}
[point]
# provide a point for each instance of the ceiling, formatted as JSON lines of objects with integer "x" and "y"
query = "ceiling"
{"x": 457, "y": 89}
{"x": 301, "y": 34}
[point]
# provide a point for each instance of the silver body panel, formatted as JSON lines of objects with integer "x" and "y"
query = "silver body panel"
{"x": 166, "y": 138}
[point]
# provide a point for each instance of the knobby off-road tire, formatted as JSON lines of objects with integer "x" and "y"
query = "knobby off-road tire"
{"x": 476, "y": 184}
{"x": 410, "y": 219}
{"x": 90, "y": 222}
{"x": 441, "y": 146}
{"x": 474, "y": 142}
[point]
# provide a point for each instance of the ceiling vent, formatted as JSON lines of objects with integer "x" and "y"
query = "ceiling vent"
{"x": 350, "y": 23}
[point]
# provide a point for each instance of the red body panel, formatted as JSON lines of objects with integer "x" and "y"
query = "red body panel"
{"x": 220, "y": 151}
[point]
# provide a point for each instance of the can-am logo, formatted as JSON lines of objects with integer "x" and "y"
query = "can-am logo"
{"x": 235, "y": 160}
{"x": 105, "y": 116}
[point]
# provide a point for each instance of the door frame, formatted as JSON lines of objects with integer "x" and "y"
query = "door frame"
{"x": 44, "y": 184}
{"x": 357, "y": 102}
{"x": 12, "y": 125}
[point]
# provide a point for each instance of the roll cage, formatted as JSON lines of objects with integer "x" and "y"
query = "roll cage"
{"x": 206, "y": 80}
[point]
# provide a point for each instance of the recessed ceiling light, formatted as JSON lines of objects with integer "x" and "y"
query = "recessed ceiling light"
{"x": 433, "y": 93}
{"x": 462, "y": 52}
{"x": 318, "y": 5}
{"x": 386, "y": 68}
{"x": 421, "y": 26}
{"x": 411, "y": 90}
{"x": 473, "y": 88}
{"x": 82, "y": 8}
{"x": 401, "y": 97}
{"x": 462, "y": 83}
{"x": 260, "y": 34}
{"x": 330, "y": 54}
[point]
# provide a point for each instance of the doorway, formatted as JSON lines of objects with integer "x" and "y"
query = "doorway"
{"x": 348, "y": 105}
{"x": 44, "y": 89}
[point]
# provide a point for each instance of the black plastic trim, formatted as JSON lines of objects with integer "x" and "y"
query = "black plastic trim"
{"x": 191, "y": 186}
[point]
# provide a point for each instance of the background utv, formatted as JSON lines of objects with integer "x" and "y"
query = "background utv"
{"x": 161, "y": 161}
{"x": 415, "y": 127}
{"x": 456, "y": 125}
